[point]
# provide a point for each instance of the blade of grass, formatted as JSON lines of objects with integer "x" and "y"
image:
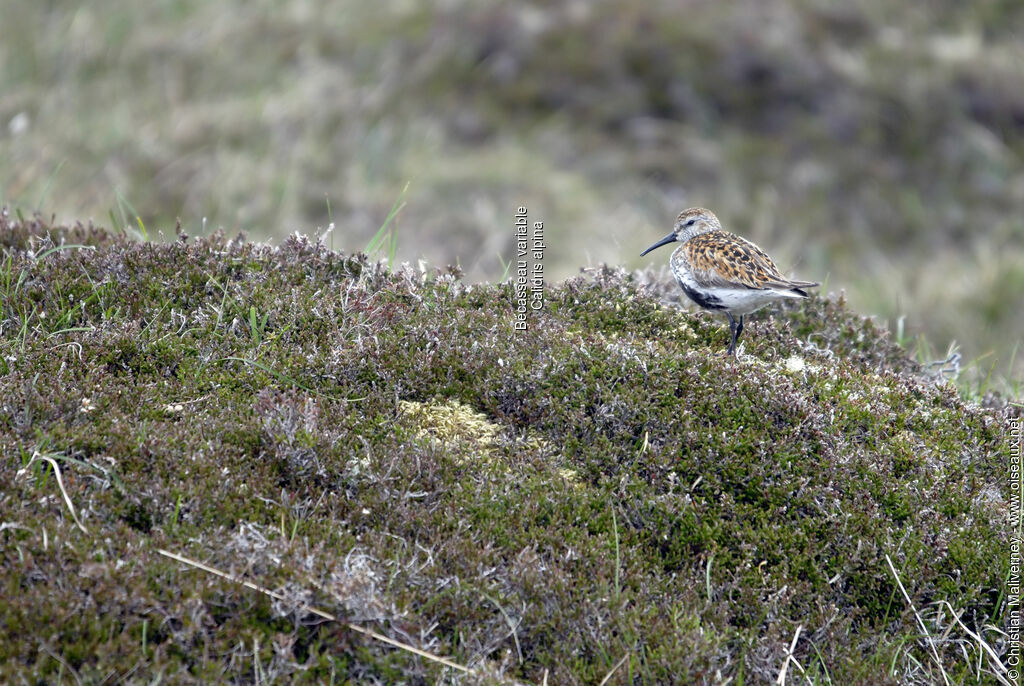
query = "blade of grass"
{"x": 60, "y": 484}
{"x": 316, "y": 611}
{"x": 920, "y": 622}
{"x": 330, "y": 220}
{"x": 69, "y": 246}
{"x": 49, "y": 184}
{"x": 122, "y": 203}
{"x": 506, "y": 267}
{"x": 618, "y": 559}
{"x": 614, "y": 669}
{"x": 378, "y": 240}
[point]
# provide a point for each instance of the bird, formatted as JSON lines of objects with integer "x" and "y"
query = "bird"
{"x": 722, "y": 272}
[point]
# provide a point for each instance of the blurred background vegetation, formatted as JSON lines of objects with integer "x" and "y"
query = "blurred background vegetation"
{"x": 876, "y": 145}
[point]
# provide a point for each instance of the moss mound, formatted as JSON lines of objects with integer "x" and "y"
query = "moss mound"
{"x": 532, "y": 504}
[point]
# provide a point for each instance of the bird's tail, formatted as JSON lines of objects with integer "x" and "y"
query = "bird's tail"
{"x": 794, "y": 288}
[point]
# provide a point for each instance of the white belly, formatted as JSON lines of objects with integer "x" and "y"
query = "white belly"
{"x": 737, "y": 301}
{"x": 745, "y": 301}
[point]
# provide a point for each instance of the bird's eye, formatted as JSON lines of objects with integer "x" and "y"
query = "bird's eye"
{"x": 691, "y": 222}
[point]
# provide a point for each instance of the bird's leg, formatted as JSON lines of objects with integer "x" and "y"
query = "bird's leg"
{"x": 735, "y": 329}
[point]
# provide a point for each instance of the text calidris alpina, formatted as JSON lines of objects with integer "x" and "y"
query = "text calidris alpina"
{"x": 720, "y": 271}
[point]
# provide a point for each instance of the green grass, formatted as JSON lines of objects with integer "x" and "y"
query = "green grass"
{"x": 602, "y": 493}
{"x": 386, "y": 238}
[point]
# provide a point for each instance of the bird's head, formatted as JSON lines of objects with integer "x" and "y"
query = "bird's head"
{"x": 689, "y": 223}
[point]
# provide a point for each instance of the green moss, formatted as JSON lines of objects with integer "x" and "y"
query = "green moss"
{"x": 396, "y": 453}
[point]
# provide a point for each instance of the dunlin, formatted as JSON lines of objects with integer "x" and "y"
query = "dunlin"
{"x": 720, "y": 271}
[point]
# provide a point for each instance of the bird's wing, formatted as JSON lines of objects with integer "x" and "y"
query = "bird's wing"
{"x": 722, "y": 259}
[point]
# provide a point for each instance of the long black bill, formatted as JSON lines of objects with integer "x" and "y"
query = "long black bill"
{"x": 671, "y": 238}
